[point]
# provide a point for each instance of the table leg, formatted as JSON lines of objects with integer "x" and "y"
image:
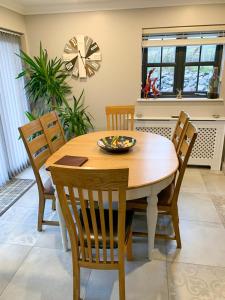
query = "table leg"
{"x": 152, "y": 213}
{"x": 62, "y": 225}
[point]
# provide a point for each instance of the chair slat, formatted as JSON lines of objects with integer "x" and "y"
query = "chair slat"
{"x": 124, "y": 116}
{"x": 111, "y": 226}
{"x": 103, "y": 228}
{"x": 37, "y": 143}
{"x": 121, "y": 223}
{"x": 31, "y": 129}
{"x": 41, "y": 158}
{"x": 86, "y": 224}
{"x": 77, "y": 218}
{"x": 113, "y": 121}
{"x": 52, "y": 127}
{"x": 179, "y": 130}
{"x": 94, "y": 223}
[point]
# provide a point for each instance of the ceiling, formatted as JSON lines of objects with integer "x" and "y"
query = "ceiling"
{"x": 29, "y": 7}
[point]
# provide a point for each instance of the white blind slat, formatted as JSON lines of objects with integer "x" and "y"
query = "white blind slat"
{"x": 183, "y": 42}
{"x": 203, "y": 35}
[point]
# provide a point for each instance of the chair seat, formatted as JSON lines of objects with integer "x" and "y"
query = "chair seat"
{"x": 48, "y": 187}
{"x": 128, "y": 223}
{"x": 164, "y": 199}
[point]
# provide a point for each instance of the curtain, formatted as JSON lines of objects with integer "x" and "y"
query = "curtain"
{"x": 13, "y": 104}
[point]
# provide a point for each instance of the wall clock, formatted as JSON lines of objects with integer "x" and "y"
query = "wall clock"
{"x": 82, "y": 56}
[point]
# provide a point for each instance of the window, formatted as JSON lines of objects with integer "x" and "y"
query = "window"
{"x": 181, "y": 62}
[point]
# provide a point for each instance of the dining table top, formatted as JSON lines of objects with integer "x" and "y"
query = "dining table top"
{"x": 152, "y": 159}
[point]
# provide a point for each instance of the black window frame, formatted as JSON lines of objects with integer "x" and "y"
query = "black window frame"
{"x": 179, "y": 69}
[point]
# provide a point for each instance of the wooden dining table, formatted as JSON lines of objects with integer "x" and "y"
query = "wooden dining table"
{"x": 152, "y": 163}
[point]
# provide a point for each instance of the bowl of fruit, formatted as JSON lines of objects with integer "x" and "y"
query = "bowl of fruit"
{"x": 116, "y": 143}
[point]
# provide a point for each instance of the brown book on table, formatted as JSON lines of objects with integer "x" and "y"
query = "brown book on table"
{"x": 75, "y": 161}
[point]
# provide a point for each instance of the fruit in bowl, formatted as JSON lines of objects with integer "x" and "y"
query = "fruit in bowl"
{"x": 116, "y": 143}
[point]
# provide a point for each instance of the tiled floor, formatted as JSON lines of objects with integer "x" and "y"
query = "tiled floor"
{"x": 34, "y": 266}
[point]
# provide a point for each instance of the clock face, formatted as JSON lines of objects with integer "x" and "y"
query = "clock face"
{"x": 82, "y": 56}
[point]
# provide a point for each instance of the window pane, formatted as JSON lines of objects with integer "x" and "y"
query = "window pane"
{"x": 205, "y": 73}
{"x": 208, "y": 53}
{"x": 156, "y": 73}
{"x": 154, "y": 55}
{"x": 192, "y": 53}
{"x": 168, "y": 55}
{"x": 167, "y": 79}
{"x": 190, "y": 79}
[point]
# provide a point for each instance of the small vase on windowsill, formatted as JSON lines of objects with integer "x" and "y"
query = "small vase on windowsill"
{"x": 213, "y": 85}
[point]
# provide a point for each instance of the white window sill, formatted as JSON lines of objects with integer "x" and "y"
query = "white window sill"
{"x": 152, "y": 100}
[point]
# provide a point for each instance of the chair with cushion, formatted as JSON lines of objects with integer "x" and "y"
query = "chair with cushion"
{"x": 38, "y": 151}
{"x": 98, "y": 231}
{"x": 120, "y": 117}
{"x": 168, "y": 198}
{"x": 53, "y": 131}
{"x": 180, "y": 128}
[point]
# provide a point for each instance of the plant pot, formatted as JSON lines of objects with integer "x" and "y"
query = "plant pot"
{"x": 213, "y": 95}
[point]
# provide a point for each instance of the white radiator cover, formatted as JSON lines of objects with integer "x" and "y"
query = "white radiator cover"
{"x": 208, "y": 148}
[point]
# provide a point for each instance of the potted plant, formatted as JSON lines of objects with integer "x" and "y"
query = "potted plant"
{"x": 75, "y": 119}
{"x": 45, "y": 79}
{"x": 47, "y": 89}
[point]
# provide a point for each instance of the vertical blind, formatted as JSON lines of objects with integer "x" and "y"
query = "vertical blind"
{"x": 13, "y": 104}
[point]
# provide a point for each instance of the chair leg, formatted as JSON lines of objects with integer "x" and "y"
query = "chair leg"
{"x": 129, "y": 247}
{"x": 76, "y": 283}
{"x": 121, "y": 282}
{"x": 41, "y": 210}
{"x": 53, "y": 204}
{"x": 175, "y": 220}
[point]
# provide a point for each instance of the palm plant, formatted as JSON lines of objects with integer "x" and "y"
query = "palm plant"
{"x": 45, "y": 78}
{"x": 76, "y": 120}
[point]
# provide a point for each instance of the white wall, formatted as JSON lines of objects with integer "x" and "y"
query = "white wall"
{"x": 15, "y": 22}
{"x": 118, "y": 34}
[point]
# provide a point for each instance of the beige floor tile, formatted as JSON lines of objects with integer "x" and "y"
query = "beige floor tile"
{"x": 140, "y": 249}
{"x": 189, "y": 282}
{"x": 197, "y": 207}
{"x": 11, "y": 257}
{"x": 202, "y": 243}
{"x": 145, "y": 281}
{"x": 219, "y": 203}
{"x": 29, "y": 199}
{"x": 140, "y": 244}
{"x": 214, "y": 183}
{"x": 193, "y": 182}
{"x": 6, "y": 230}
{"x": 20, "y": 214}
{"x": 50, "y": 237}
{"x": 45, "y": 275}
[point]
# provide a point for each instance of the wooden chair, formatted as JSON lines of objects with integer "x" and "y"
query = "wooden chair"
{"x": 168, "y": 198}
{"x": 180, "y": 128}
{"x": 38, "y": 151}
{"x": 97, "y": 229}
{"x": 120, "y": 117}
{"x": 53, "y": 131}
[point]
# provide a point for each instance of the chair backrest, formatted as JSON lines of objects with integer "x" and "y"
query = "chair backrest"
{"x": 85, "y": 186}
{"x": 53, "y": 130}
{"x": 180, "y": 128}
{"x": 37, "y": 147}
{"x": 120, "y": 117}
{"x": 183, "y": 154}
